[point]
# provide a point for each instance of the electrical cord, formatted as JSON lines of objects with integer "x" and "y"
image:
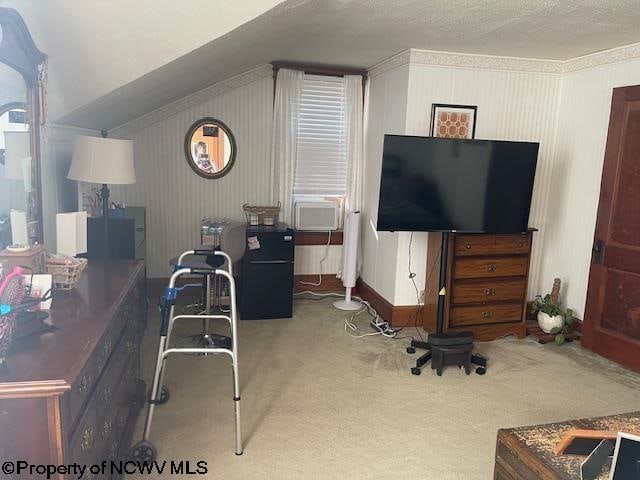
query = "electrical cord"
{"x": 326, "y": 254}
{"x": 380, "y": 326}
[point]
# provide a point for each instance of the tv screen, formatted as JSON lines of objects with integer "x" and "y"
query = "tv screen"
{"x": 447, "y": 184}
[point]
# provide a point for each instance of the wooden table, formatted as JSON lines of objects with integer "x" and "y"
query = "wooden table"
{"x": 526, "y": 453}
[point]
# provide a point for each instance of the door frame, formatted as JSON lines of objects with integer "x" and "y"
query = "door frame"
{"x": 602, "y": 341}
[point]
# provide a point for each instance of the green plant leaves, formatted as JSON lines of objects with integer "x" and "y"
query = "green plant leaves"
{"x": 560, "y": 339}
{"x": 555, "y": 330}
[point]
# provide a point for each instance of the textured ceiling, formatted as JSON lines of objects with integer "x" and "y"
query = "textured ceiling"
{"x": 358, "y": 33}
{"x": 96, "y": 46}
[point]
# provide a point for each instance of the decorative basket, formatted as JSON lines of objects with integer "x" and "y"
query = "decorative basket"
{"x": 261, "y": 215}
{"x": 66, "y": 271}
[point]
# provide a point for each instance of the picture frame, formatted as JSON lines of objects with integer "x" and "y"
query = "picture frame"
{"x": 626, "y": 457}
{"x": 453, "y": 121}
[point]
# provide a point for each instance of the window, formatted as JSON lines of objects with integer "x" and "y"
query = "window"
{"x": 321, "y": 161}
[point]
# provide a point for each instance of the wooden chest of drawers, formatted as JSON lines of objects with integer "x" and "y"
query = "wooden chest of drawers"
{"x": 526, "y": 453}
{"x": 486, "y": 284}
{"x": 73, "y": 395}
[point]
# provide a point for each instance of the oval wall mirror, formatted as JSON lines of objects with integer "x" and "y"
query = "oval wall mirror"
{"x": 210, "y": 148}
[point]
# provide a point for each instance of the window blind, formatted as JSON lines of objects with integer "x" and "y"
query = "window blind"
{"x": 321, "y": 160}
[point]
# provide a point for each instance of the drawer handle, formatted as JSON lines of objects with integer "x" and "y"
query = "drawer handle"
{"x": 87, "y": 439}
{"x": 122, "y": 420}
{"x": 492, "y": 267}
{"x": 106, "y": 348}
{"x": 130, "y": 346}
{"x": 113, "y": 451}
{"x": 107, "y": 428}
{"x": 487, "y": 314}
{"x": 105, "y": 396}
{"x": 490, "y": 292}
{"x": 85, "y": 384}
{"x": 468, "y": 246}
{"x": 521, "y": 244}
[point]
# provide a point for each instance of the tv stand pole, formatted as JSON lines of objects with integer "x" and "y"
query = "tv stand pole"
{"x": 442, "y": 284}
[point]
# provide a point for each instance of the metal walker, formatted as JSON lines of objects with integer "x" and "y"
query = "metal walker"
{"x": 145, "y": 451}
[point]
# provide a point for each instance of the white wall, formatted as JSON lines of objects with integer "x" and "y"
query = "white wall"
{"x": 58, "y": 193}
{"x": 387, "y": 114}
{"x": 176, "y": 198}
{"x": 577, "y": 168}
{"x": 512, "y": 105}
{"x": 563, "y": 105}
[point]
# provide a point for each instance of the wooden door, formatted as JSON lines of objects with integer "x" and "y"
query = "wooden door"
{"x": 612, "y": 314}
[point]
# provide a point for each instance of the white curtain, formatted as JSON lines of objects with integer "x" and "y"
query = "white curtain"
{"x": 355, "y": 141}
{"x": 355, "y": 109}
{"x": 285, "y": 130}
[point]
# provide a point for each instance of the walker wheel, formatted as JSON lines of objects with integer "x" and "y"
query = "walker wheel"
{"x": 481, "y": 370}
{"x": 164, "y": 395}
{"x": 143, "y": 452}
{"x": 411, "y": 350}
{"x": 416, "y": 371}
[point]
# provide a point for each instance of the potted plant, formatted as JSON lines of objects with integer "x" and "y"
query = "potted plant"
{"x": 552, "y": 318}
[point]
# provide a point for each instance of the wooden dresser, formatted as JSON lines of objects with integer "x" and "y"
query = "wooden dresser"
{"x": 526, "y": 453}
{"x": 72, "y": 395}
{"x": 486, "y": 284}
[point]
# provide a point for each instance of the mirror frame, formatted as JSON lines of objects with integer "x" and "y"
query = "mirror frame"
{"x": 7, "y": 107}
{"x": 232, "y": 142}
{"x": 18, "y": 51}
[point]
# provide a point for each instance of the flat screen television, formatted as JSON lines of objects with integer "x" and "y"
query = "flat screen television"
{"x": 455, "y": 185}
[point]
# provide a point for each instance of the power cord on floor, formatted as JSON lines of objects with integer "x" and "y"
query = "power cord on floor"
{"x": 380, "y": 326}
{"x": 326, "y": 254}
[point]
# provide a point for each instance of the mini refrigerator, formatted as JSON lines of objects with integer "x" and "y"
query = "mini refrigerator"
{"x": 266, "y": 284}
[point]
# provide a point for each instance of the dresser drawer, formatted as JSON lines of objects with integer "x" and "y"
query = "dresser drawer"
{"x": 466, "y": 245}
{"x": 490, "y": 290}
{"x": 485, "y": 314}
{"x": 82, "y": 389}
{"x": 486, "y": 267}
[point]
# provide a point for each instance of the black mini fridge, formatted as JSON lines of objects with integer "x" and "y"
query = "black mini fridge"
{"x": 266, "y": 284}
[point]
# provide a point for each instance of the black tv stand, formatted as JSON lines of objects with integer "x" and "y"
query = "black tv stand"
{"x": 446, "y": 348}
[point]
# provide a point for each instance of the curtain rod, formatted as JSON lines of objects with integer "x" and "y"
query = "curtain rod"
{"x": 319, "y": 69}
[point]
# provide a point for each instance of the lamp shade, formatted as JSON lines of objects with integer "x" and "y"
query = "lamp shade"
{"x": 16, "y": 150}
{"x": 102, "y": 160}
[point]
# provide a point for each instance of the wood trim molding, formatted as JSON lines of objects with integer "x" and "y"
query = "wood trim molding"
{"x": 33, "y": 389}
{"x": 304, "y": 237}
{"x": 319, "y": 69}
{"x": 397, "y": 316}
{"x": 329, "y": 283}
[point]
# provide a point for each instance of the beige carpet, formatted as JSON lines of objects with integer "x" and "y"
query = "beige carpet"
{"x": 318, "y": 404}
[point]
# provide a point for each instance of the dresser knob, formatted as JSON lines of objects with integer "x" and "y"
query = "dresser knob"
{"x": 106, "y": 429}
{"x": 113, "y": 451}
{"x": 486, "y": 314}
{"x": 489, "y": 292}
{"x": 468, "y": 246}
{"x": 106, "y": 348}
{"x": 105, "y": 396}
{"x": 87, "y": 439}
{"x": 492, "y": 267}
{"x": 85, "y": 383}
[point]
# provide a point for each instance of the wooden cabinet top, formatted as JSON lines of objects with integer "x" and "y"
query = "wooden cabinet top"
{"x": 48, "y": 364}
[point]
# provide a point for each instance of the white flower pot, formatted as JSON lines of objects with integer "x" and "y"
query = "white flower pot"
{"x": 548, "y": 323}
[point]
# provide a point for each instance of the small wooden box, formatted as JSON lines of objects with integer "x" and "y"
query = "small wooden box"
{"x": 34, "y": 259}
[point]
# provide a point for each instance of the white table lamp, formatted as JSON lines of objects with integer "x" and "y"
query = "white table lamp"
{"x": 106, "y": 161}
